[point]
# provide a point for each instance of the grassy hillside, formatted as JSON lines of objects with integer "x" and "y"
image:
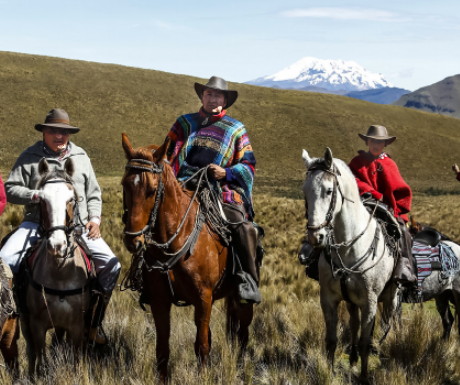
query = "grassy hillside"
{"x": 105, "y": 100}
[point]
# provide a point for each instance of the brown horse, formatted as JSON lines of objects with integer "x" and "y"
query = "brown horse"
{"x": 58, "y": 289}
{"x": 183, "y": 260}
{"x": 9, "y": 322}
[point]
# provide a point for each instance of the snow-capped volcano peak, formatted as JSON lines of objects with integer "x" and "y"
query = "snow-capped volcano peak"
{"x": 329, "y": 75}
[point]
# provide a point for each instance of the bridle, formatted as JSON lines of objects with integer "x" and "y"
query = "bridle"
{"x": 335, "y": 188}
{"x": 68, "y": 229}
{"x": 328, "y": 222}
{"x": 144, "y": 165}
{"x": 148, "y": 230}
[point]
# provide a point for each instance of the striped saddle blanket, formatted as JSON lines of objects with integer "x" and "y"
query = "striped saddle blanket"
{"x": 429, "y": 258}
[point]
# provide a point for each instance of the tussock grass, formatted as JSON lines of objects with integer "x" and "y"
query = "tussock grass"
{"x": 287, "y": 335}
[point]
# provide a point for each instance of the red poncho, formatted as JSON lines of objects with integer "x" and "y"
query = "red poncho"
{"x": 381, "y": 177}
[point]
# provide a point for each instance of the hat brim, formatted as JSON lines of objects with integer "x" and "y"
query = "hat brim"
{"x": 230, "y": 95}
{"x": 388, "y": 139}
{"x": 71, "y": 129}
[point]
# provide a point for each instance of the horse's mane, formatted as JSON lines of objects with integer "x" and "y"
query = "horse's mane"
{"x": 144, "y": 152}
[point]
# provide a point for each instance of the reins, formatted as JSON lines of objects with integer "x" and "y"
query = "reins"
{"x": 70, "y": 250}
{"x": 328, "y": 223}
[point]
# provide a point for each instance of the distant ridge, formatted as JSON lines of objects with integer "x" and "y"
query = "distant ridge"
{"x": 442, "y": 97}
{"x": 385, "y": 95}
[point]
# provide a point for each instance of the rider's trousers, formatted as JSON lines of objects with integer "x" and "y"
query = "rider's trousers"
{"x": 105, "y": 262}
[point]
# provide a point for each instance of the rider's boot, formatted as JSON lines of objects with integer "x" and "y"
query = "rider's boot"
{"x": 95, "y": 316}
{"x": 405, "y": 270}
{"x": 309, "y": 256}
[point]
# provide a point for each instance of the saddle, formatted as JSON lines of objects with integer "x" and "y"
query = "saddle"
{"x": 429, "y": 237}
{"x": 384, "y": 215}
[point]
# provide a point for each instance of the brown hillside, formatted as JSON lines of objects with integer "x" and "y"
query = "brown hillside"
{"x": 442, "y": 97}
{"x": 106, "y": 100}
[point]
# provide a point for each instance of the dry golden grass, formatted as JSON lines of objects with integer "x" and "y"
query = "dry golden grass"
{"x": 286, "y": 339}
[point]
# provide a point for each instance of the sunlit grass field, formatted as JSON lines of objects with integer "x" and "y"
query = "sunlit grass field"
{"x": 286, "y": 338}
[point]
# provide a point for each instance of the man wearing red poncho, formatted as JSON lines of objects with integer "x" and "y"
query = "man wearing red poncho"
{"x": 377, "y": 174}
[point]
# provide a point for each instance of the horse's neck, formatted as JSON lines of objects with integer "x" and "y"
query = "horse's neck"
{"x": 59, "y": 273}
{"x": 173, "y": 207}
{"x": 352, "y": 220}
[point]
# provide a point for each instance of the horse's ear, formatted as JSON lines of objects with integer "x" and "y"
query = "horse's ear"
{"x": 126, "y": 146}
{"x": 69, "y": 167}
{"x": 328, "y": 158}
{"x": 161, "y": 152}
{"x": 43, "y": 166}
{"x": 306, "y": 158}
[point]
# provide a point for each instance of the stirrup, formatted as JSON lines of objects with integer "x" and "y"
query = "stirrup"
{"x": 97, "y": 336}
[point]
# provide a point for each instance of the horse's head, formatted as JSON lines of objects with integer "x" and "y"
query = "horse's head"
{"x": 141, "y": 182}
{"x": 57, "y": 204}
{"x": 321, "y": 191}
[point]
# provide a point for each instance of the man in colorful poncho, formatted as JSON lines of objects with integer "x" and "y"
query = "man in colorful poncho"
{"x": 212, "y": 138}
{"x": 377, "y": 174}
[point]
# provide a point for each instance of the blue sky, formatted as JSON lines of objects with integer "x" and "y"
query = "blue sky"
{"x": 412, "y": 43}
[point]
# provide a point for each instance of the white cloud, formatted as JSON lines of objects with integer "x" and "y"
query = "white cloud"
{"x": 345, "y": 14}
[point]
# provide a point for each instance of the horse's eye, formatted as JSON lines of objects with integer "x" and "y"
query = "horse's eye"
{"x": 329, "y": 191}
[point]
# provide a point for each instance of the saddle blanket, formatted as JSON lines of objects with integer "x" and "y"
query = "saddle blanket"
{"x": 428, "y": 258}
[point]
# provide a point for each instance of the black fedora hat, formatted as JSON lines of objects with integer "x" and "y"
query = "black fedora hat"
{"x": 378, "y": 132}
{"x": 219, "y": 84}
{"x": 58, "y": 118}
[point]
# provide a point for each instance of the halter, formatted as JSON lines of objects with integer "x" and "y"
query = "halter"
{"x": 68, "y": 230}
{"x": 332, "y": 170}
{"x": 336, "y": 187}
{"x": 153, "y": 168}
{"x": 147, "y": 231}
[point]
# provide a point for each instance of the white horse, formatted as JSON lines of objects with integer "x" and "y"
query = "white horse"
{"x": 442, "y": 286}
{"x": 356, "y": 264}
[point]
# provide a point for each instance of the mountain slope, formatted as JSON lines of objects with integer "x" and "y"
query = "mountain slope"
{"x": 442, "y": 97}
{"x": 385, "y": 95}
{"x": 335, "y": 76}
{"x": 106, "y": 100}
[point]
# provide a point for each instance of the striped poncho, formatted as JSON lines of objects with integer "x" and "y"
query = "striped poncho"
{"x": 199, "y": 140}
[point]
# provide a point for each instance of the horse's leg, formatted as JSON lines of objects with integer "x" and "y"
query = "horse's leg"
{"x": 30, "y": 349}
{"x": 390, "y": 309}
{"x": 202, "y": 318}
{"x": 456, "y": 301}
{"x": 232, "y": 318}
{"x": 354, "y": 328}
{"x": 245, "y": 316}
{"x": 329, "y": 308}
{"x": 39, "y": 345}
{"x": 9, "y": 345}
{"x": 161, "y": 310}
{"x": 442, "y": 305}
{"x": 367, "y": 327}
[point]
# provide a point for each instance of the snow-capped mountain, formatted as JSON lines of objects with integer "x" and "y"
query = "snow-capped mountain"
{"x": 330, "y": 76}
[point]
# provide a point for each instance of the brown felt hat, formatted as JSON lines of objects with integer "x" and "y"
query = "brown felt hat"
{"x": 378, "y": 133}
{"x": 219, "y": 84}
{"x": 58, "y": 118}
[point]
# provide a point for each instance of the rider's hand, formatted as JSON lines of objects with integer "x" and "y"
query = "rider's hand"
{"x": 216, "y": 171}
{"x": 94, "y": 231}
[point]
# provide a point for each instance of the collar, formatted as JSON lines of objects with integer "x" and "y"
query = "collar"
{"x": 208, "y": 119}
{"x": 54, "y": 154}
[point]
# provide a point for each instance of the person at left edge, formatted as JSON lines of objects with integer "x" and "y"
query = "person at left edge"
{"x": 57, "y": 148}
